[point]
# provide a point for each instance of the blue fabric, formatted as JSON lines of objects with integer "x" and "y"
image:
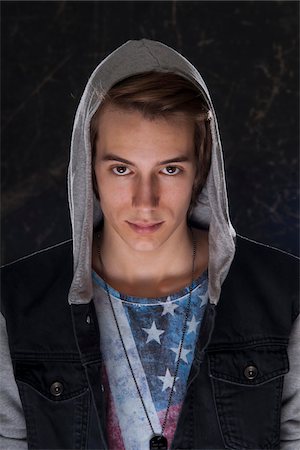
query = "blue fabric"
{"x": 152, "y": 332}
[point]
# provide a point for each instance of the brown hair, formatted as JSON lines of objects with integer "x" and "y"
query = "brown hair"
{"x": 162, "y": 95}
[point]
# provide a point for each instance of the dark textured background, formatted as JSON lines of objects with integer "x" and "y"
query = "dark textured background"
{"x": 247, "y": 52}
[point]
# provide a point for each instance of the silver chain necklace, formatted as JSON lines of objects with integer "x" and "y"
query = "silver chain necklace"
{"x": 157, "y": 441}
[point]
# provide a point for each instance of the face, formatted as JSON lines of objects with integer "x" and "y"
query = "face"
{"x": 145, "y": 172}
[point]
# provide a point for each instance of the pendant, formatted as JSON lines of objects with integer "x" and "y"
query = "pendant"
{"x": 158, "y": 442}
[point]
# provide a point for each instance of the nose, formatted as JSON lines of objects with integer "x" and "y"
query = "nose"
{"x": 145, "y": 193}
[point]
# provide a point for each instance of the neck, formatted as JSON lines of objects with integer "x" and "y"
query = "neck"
{"x": 126, "y": 268}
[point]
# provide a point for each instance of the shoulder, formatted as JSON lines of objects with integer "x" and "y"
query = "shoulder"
{"x": 265, "y": 261}
{"x": 274, "y": 268}
{"x": 263, "y": 275}
{"x": 33, "y": 275}
{"x": 34, "y": 301}
{"x": 244, "y": 245}
{"x": 260, "y": 295}
{"x": 47, "y": 256}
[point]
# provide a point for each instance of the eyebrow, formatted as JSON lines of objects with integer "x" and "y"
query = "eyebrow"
{"x": 113, "y": 157}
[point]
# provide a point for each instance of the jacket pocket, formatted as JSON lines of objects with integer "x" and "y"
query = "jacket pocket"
{"x": 55, "y": 400}
{"x": 247, "y": 385}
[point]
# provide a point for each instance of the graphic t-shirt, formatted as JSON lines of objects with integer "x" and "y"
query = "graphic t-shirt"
{"x": 152, "y": 331}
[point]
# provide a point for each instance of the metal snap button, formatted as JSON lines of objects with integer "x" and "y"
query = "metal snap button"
{"x": 251, "y": 372}
{"x": 56, "y": 389}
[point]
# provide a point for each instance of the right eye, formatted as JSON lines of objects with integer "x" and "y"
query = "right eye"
{"x": 120, "y": 170}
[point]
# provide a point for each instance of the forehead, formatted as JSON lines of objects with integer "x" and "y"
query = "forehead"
{"x": 121, "y": 130}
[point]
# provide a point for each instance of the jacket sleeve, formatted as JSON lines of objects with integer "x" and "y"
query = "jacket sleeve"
{"x": 290, "y": 412}
{"x": 12, "y": 421}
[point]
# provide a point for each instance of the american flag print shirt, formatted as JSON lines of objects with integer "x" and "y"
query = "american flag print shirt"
{"x": 152, "y": 331}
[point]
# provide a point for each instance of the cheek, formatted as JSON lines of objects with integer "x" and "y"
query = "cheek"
{"x": 179, "y": 192}
{"x": 114, "y": 195}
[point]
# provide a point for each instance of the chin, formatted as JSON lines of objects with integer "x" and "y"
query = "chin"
{"x": 143, "y": 245}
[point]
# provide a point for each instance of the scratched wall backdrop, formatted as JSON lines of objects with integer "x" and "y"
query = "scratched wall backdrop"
{"x": 247, "y": 53}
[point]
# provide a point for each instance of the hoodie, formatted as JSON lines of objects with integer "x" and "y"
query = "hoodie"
{"x": 211, "y": 211}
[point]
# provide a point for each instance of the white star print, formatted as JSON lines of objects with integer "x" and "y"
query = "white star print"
{"x": 192, "y": 325}
{"x": 168, "y": 381}
{"x": 184, "y": 352}
{"x": 153, "y": 333}
{"x": 169, "y": 307}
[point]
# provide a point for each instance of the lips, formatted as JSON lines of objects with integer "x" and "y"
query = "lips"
{"x": 144, "y": 224}
{"x": 145, "y": 228}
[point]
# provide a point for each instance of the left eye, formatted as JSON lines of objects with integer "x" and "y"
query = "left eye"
{"x": 171, "y": 170}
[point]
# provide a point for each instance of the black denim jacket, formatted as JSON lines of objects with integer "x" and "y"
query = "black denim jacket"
{"x": 233, "y": 397}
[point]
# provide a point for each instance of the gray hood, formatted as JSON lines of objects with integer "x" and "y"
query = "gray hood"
{"x": 133, "y": 57}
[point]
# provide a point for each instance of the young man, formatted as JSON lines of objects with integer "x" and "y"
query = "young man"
{"x": 166, "y": 329}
